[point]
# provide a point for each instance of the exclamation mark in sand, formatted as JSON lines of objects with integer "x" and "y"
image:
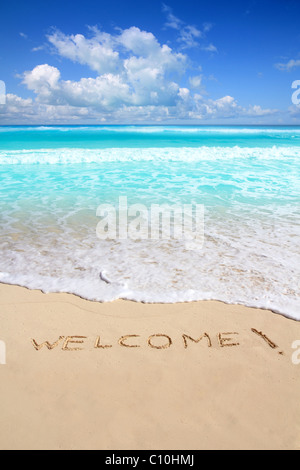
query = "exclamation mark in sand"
{"x": 267, "y": 340}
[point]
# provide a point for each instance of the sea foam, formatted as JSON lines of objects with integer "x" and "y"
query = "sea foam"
{"x": 172, "y": 154}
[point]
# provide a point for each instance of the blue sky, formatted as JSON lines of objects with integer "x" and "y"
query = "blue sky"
{"x": 150, "y": 62}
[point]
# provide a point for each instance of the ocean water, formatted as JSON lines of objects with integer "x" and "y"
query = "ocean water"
{"x": 248, "y": 179}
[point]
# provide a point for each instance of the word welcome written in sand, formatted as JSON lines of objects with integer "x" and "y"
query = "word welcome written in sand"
{"x": 155, "y": 341}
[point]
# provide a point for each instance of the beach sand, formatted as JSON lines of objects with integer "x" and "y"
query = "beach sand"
{"x": 234, "y": 389}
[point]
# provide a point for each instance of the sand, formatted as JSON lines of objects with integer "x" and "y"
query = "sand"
{"x": 233, "y": 389}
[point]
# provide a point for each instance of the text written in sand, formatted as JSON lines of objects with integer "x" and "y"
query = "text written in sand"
{"x": 157, "y": 341}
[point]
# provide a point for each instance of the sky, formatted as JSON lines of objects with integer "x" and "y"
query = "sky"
{"x": 134, "y": 62}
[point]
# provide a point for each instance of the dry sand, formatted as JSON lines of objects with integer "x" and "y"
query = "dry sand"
{"x": 156, "y": 395}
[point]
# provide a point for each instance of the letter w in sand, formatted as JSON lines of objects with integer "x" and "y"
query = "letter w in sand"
{"x": 46, "y": 343}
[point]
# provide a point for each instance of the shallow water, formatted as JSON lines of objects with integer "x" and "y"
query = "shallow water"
{"x": 54, "y": 178}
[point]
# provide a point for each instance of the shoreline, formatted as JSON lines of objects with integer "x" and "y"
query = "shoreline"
{"x": 179, "y": 302}
{"x": 126, "y": 375}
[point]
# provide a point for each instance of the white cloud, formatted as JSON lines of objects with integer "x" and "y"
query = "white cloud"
{"x": 28, "y": 111}
{"x": 96, "y": 52}
{"x": 137, "y": 79}
{"x": 142, "y": 82}
{"x": 184, "y": 93}
{"x": 257, "y": 110}
{"x": 224, "y": 108}
{"x": 209, "y": 48}
{"x": 195, "y": 81}
{"x": 38, "y": 48}
{"x": 140, "y": 43}
{"x": 172, "y": 20}
{"x": 142, "y": 67}
{"x": 134, "y": 69}
{"x": 16, "y": 108}
{"x": 42, "y": 79}
{"x": 290, "y": 65}
{"x": 104, "y": 91}
{"x": 80, "y": 106}
{"x": 188, "y": 35}
{"x": 15, "y": 103}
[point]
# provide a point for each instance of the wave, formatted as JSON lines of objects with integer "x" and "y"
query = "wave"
{"x": 159, "y": 129}
{"x": 247, "y": 264}
{"x": 77, "y": 155}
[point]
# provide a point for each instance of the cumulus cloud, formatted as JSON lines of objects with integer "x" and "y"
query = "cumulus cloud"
{"x": 135, "y": 79}
{"x": 257, "y": 110}
{"x": 133, "y": 69}
{"x": 42, "y": 79}
{"x": 14, "y": 103}
{"x": 96, "y": 52}
{"x": 78, "y": 106}
{"x": 224, "y": 108}
{"x": 141, "y": 43}
{"x": 140, "y": 85}
{"x": 105, "y": 53}
{"x": 28, "y": 111}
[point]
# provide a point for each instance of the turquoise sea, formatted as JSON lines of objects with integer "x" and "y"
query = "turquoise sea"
{"x": 248, "y": 179}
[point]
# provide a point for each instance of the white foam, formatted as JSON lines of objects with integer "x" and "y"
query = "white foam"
{"x": 251, "y": 262}
{"x": 188, "y": 154}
